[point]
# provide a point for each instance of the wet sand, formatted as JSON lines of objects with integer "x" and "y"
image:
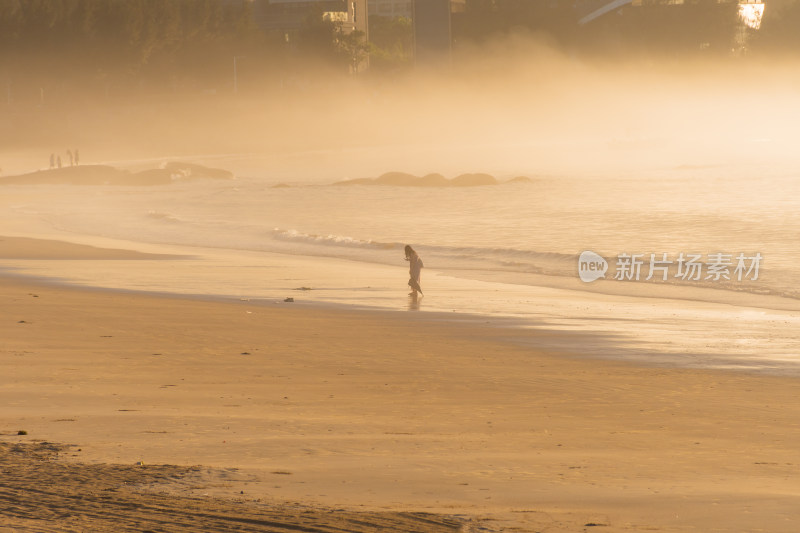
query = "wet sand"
{"x": 270, "y": 408}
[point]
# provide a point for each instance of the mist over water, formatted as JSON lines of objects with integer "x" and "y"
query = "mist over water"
{"x": 524, "y": 108}
{"x": 626, "y": 156}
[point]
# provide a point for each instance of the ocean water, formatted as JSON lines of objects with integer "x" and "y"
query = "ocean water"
{"x": 508, "y": 253}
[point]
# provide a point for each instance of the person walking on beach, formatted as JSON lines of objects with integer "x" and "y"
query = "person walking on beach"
{"x": 414, "y": 271}
{"x": 52, "y": 160}
{"x": 71, "y": 158}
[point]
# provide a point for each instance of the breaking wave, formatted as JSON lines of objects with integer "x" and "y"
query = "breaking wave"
{"x": 332, "y": 240}
{"x": 496, "y": 259}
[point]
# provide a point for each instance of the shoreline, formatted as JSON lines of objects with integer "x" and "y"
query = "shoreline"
{"x": 648, "y": 329}
{"x": 645, "y": 329}
{"x": 392, "y": 411}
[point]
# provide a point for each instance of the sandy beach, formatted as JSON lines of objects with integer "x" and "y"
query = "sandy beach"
{"x": 207, "y": 218}
{"x": 279, "y": 417}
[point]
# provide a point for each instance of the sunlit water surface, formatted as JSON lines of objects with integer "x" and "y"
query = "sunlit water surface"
{"x": 509, "y": 250}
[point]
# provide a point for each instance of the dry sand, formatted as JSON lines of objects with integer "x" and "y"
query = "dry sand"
{"x": 41, "y": 493}
{"x": 313, "y": 419}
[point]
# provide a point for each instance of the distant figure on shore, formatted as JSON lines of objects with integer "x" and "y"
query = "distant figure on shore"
{"x": 414, "y": 271}
{"x": 52, "y": 160}
{"x": 77, "y": 157}
{"x": 71, "y": 158}
{"x": 58, "y": 160}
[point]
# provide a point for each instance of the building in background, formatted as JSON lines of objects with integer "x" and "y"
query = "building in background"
{"x": 704, "y": 23}
{"x": 433, "y": 36}
{"x": 391, "y": 8}
{"x": 289, "y": 16}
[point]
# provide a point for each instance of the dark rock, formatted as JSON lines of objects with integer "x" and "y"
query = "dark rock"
{"x": 397, "y": 178}
{"x": 434, "y": 180}
{"x": 357, "y": 181}
{"x": 473, "y": 180}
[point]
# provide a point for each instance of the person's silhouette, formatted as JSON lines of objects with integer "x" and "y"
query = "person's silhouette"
{"x": 414, "y": 271}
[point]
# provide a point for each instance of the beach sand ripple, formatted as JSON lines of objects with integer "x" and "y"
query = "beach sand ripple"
{"x": 39, "y": 492}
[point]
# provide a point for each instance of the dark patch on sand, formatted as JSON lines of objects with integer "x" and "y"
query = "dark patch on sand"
{"x": 39, "y": 491}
